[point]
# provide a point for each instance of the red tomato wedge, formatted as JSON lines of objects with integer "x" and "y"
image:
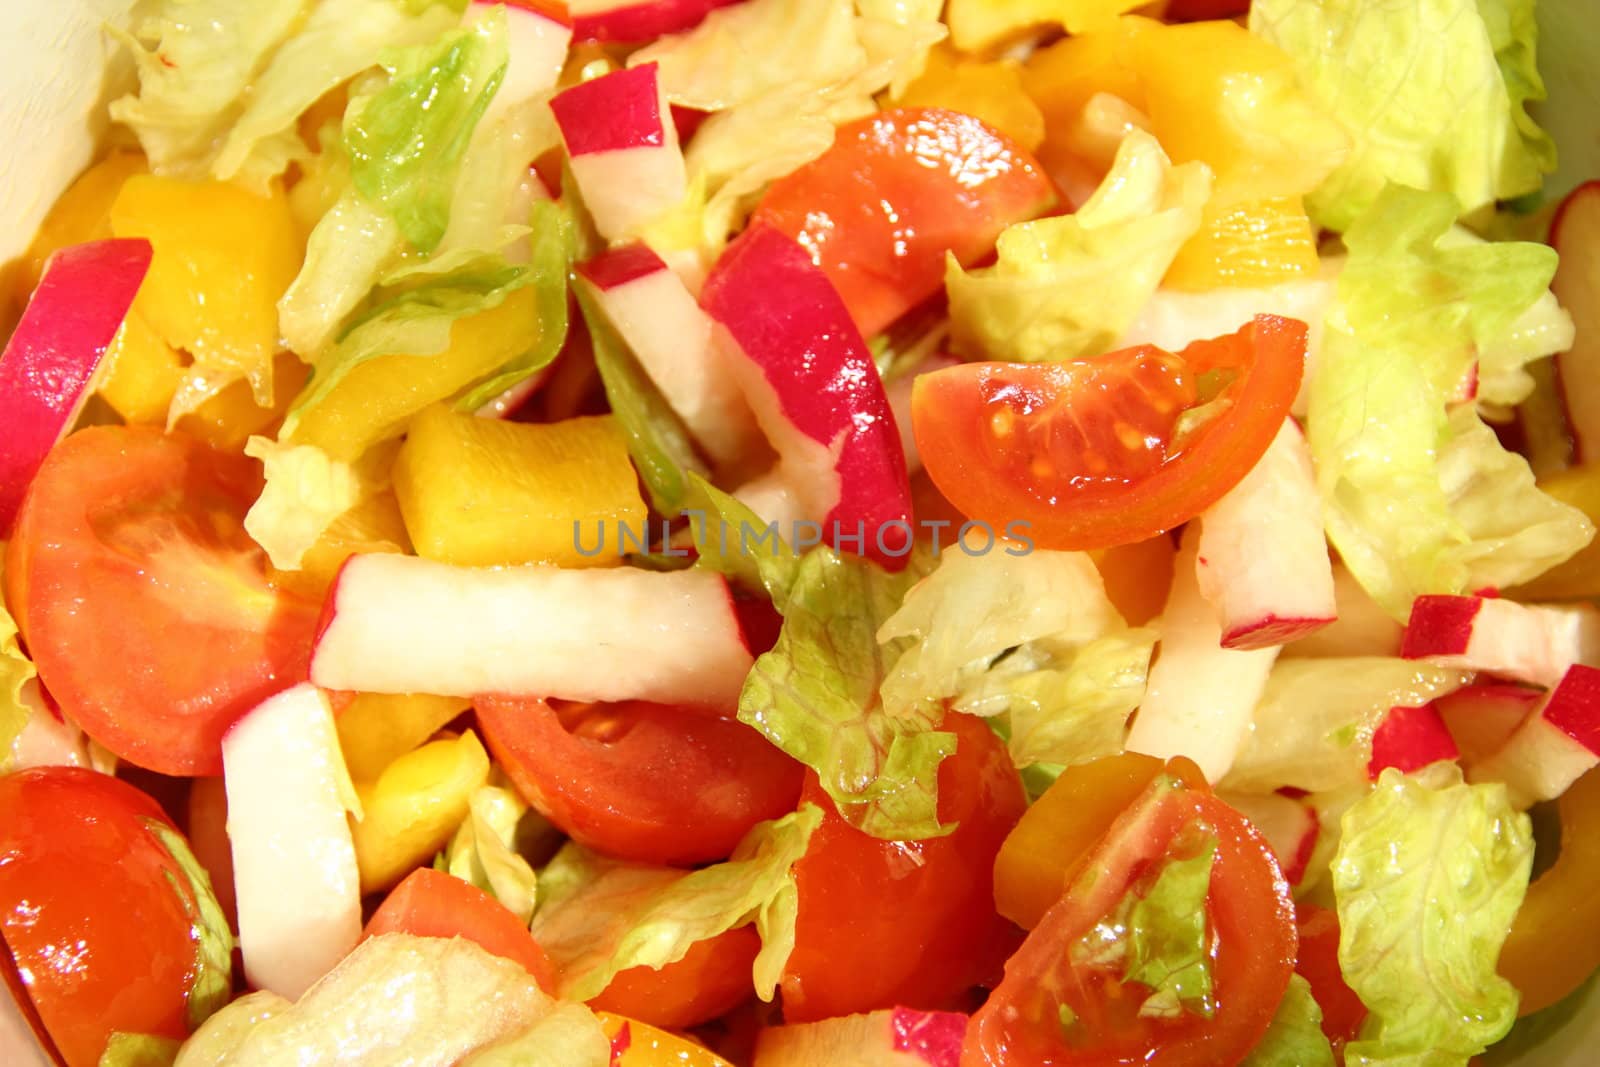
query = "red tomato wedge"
{"x": 1342, "y": 1010}
{"x": 144, "y": 603}
{"x": 1250, "y": 920}
{"x": 899, "y": 189}
{"x": 641, "y": 781}
{"x": 711, "y": 980}
{"x": 1094, "y": 453}
{"x": 431, "y": 903}
{"x": 94, "y": 909}
{"x": 907, "y": 923}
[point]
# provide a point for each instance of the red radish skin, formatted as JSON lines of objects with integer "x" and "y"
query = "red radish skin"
{"x": 1439, "y": 626}
{"x": 934, "y": 1037}
{"x": 815, "y": 392}
{"x": 613, "y": 112}
{"x": 634, "y": 21}
{"x": 48, "y": 366}
{"x": 1410, "y": 738}
{"x": 1555, "y": 745}
{"x": 619, "y": 266}
{"x": 1531, "y": 643}
{"x": 1575, "y": 233}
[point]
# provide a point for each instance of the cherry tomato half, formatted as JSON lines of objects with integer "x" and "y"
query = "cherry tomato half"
{"x": 879, "y": 210}
{"x": 430, "y": 903}
{"x": 144, "y": 603}
{"x": 1252, "y": 931}
{"x": 907, "y": 923}
{"x": 1093, "y": 453}
{"x": 640, "y": 781}
{"x": 711, "y": 980}
{"x": 96, "y": 912}
{"x": 1342, "y": 1010}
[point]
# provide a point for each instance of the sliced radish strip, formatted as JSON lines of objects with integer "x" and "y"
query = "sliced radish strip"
{"x": 1525, "y": 642}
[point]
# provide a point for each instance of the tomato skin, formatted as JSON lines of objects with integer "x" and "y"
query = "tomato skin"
{"x": 430, "y": 903}
{"x": 1043, "y": 443}
{"x": 144, "y": 603}
{"x": 91, "y": 910}
{"x": 1318, "y": 964}
{"x": 712, "y": 979}
{"x": 905, "y": 923}
{"x": 630, "y": 780}
{"x": 898, "y": 189}
{"x": 1251, "y": 918}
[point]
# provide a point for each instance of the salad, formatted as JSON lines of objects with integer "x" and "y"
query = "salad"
{"x": 805, "y": 533}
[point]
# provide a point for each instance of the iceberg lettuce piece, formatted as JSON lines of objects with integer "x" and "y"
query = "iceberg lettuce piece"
{"x": 1428, "y": 877}
{"x": 599, "y": 916}
{"x": 1071, "y": 285}
{"x": 1433, "y": 93}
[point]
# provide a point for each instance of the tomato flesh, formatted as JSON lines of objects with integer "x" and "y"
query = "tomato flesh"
{"x": 712, "y": 979}
{"x": 144, "y": 603}
{"x": 1095, "y": 453}
{"x": 907, "y": 923}
{"x": 1250, "y": 919}
{"x": 1342, "y": 1010}
{"x": 92, "y": 910}
{"x": 641, "y": 781}
{"x": 879, "y": 209}
{"x": 430, "y": 903}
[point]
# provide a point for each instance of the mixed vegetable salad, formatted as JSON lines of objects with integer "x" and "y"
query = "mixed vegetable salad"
{"x": 804, "y": 533}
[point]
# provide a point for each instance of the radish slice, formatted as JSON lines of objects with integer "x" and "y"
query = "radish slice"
{"x": 1525, "y": 642}
{"x": 294, "y": 862}
{"x": 400, "y": 624}
{"x": 1555, "y": 745}
{"x": 49, "y": 364}
{"x": 897, "y": 1037}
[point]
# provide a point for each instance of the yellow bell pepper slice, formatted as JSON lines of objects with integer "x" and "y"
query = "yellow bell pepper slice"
{"x": 1257, "y": 243}
{"x": 1579, "y": 577}
{"x": 991, "y": 91}
{"x": 481, "y": 492}
{"x": 650, "y": 1047}
{"x": 375, "y": 400}
{"x": 376, "y": 729}
{"x": 409, "y": 813}
{"x": 222, "y": 258}
{"x": 83, "y": 213}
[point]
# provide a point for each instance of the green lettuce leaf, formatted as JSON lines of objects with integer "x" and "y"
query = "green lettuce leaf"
{"x": 554, "y": 247}
{"x": 414, "y": 322}
{"x": 1503, "y": 375}
{"x": 1433, "y": 93}
{"x": 1313, "y": 728}
{"x": 599, "y": 916}
{"x": 16, "y": 671}
{"x": 816, "y": 696}
{"x": 1032, "y": 638}
{"x": 196, "y": 62}
{"x": 1295, "y": 1038}
{"x": 1427, "y": 880}
{"x": 1065, "y": 705}
{"x": 1157, "y": 935}
{"x": 570, "y": 1036}
{"x": 222, "y": 84}
{"x": 212, "y": 982}
{"x": 811, "y": 64}
{"x": 457, "y": 997}
{"x": 483, "y": 851}
{"x": 725, "y": 530}
{"x": 139, "y": 1050}
{"x": 406, "y": 140}
{"x": 1415, "y": 306}
{"x": 348, "y": 250}
{"x": 658, "y": 442}
{"x": 305, "y": 491}
{"x": 1071, "y": 285}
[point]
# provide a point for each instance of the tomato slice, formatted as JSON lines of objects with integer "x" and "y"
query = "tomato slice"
{"x": 1094, "y": 453}
{"x": 144, "y": 603}
{"x": 907, "y": 923}
{"x": 1251, "y": 922}
{"x": 711, "y": 980}
{"x": 1061, "y": 829}
{"x": 641, "y": 781}
{"x": 430, "y": 903}
{"x": 879, "y": 209}
{"x": 94, "y": 909}
{"x": 1342, "y": 1010}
